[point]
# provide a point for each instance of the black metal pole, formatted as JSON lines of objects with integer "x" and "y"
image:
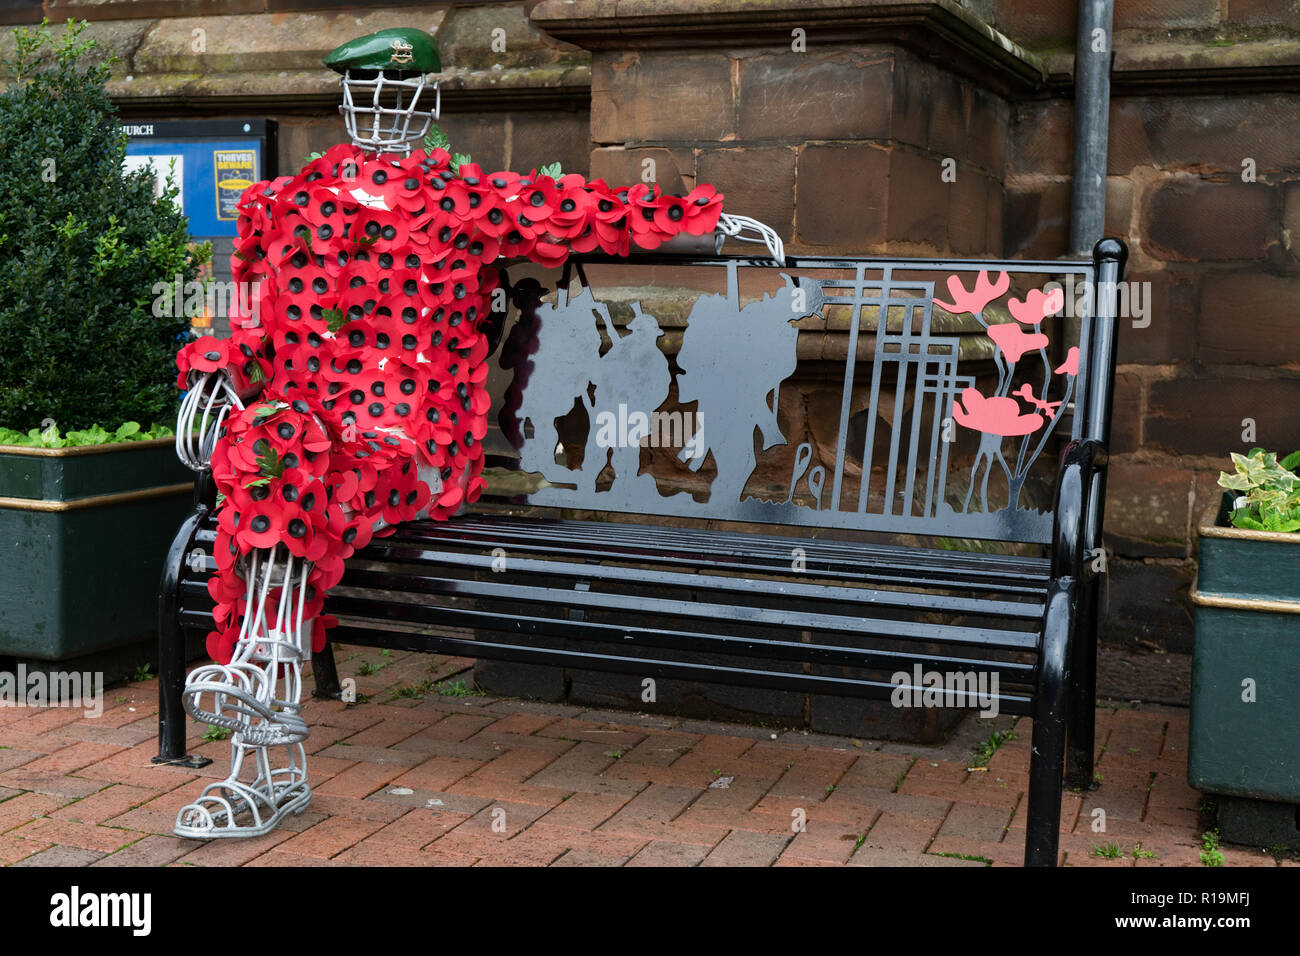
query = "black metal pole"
{"x": 171, "y": 637}
{"x": 1092, "y": 59}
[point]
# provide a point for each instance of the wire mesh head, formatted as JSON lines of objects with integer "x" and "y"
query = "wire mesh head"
{"x": 380, "y": 109}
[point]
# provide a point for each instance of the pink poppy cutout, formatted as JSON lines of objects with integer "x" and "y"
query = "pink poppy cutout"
{"x": 974, "y": 301}
{"x": 1037, "y": 305}
{"x": 994, "y": 416}
{"x": 1014, "y": 342}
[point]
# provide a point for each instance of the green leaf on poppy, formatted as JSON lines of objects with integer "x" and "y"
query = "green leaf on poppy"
{"x": 334, "y": 319}
{"x": 436, "y": 139}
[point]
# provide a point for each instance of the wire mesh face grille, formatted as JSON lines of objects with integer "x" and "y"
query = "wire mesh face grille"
{"x": 380, "y": 110}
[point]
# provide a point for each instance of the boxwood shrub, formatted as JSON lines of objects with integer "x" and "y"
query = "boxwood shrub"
{"x": 82, "y": 244}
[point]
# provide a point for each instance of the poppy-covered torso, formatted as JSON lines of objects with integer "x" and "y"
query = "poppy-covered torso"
{"x": 359, "y": 350}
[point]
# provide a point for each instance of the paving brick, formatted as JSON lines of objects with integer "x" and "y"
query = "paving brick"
{"x": 1006, "y": 853}
{"x": 50, "y": 782}
{"x": 329, "y": 837}
{"x": 580, "y": 770}
{"x": 153, "y": 850}
{"x": 278, "y": 858}
{"x": 73, "y": 757}
{"x": 993, "y": 788}
{"x": 368, "y": 809}
{"x": 494, "y": 789}
{"x": 122, "y": 737}
{"x": 11, "y": 758}
{"x": 661, "y": 749}
{"x": 377, "y": 853}
{"x": 898, "y": 831}
{"x": 61, "y": 856}
{"x": 979, "y": 823}
{"x": 361, "y": 780}
{"x": 574, "y": 729}
{"x": 14, "y": 848}
{"x": 585, "y": 811}
{"x": 878, "y": 856}
{"x": 232, "y": 852}
{"x": 47, "y": 720}
{"x": 104, "y": 804}
{"x": 492, "y": 825}
{"x": 435, "y": 774}
{"x": 373, "y": 756}
{"x": 744, "y": 848}
{"x": 825, "y": 841}
{"x": 880, "y": 771}
{"x": 159, "y": 814}
{"x": 580, "y": 857}
{"x": 418, "y": 828}
{"x": 25, "y": 807}
{"x": 662, "y": 853}
{"x": 86, "y": 836}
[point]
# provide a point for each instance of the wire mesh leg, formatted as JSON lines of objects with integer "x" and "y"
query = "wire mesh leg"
{"x": 257, "y": 696}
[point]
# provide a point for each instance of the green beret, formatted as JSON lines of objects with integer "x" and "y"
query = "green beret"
{"x": 399, "y": 50}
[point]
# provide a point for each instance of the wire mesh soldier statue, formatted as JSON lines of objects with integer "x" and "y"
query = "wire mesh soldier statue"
{"x": 351, "y": 394}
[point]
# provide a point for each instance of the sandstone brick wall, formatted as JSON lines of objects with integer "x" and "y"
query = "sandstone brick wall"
{"x": 515, "y": 98}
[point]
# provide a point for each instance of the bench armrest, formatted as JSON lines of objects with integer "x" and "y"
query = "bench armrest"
{"x": 1077, "y": 520}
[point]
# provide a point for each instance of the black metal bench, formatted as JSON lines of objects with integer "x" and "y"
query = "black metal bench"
{"x": 648, "y": 563}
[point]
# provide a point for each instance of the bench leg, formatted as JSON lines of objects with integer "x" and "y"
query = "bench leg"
{"x": 171, "y": 653}
{"x": 1082, "y": 721}
{"x": 1047, "y": 762}
{"x": 326, "y": 674}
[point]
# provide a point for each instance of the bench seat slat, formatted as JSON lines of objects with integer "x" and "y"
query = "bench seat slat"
{"x": 714, "y": 544}
{"x": 402, "y": 553}
{"x": 368, "y": 606}
{"x": 632, "y": 606}
{"x": 525, "y": 652}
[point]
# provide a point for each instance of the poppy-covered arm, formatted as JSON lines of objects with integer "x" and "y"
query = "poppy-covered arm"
{"x": 545, "y": 218}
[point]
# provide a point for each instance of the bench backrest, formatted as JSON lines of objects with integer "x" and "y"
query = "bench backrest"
{"x": 890, "y": 395}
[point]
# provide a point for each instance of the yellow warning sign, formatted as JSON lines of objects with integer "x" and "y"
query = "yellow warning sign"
{"x": 235, "y": 170}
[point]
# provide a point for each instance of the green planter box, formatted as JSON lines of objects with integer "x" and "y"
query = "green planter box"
{"x": 1247, "y": 629}
{"x": 83, "y": 534}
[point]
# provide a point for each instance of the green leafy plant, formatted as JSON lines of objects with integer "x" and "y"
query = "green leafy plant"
{"x": 985, "y": 749}
{"x": 1270, "y": 491}
{"x": 1211, "y": 855}
{"x": 1111, "y": 851}
{"x": 459, "y": 689}
{"x": 215, "y": 733}
{"x": 94, "y": 435}
{"x": 82, "y": 245}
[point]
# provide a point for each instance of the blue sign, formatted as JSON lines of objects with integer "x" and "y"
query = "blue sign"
{"x": 210, "y": 166}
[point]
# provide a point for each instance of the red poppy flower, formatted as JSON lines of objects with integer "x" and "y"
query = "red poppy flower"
{"x": 451, "y": 203}
{"x": 703, "y": 208}
{"x": 220, "y": 644}
{"x": 548, "y": 254}
{"x": 517, "y": 242}
{"x": 505, "y": 183}
{"x": 538, "y": 199}
{"x": 379, "y": 230}
{"x": 207, "y": 354}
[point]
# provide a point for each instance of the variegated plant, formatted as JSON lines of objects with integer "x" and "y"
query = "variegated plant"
{"x": 1270, "y": 499}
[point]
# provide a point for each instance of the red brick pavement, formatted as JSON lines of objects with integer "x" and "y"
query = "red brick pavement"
{"x": 444, "y": 780}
